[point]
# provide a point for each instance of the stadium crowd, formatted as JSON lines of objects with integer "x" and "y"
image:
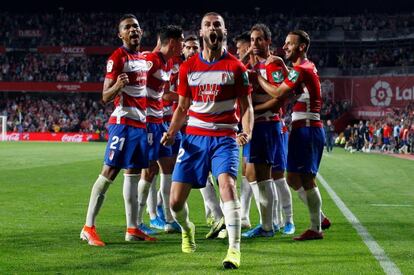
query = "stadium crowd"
{"x": 47, "y": 113}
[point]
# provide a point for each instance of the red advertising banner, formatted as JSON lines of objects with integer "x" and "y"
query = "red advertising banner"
{"x": 104, "y": 50}
{"x": 60, "y": 137}
{"x": 50, "y": 87}
{"x": 382, "y": 92}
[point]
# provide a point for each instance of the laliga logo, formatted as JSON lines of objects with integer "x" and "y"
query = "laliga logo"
{"x": 381, "y": 94}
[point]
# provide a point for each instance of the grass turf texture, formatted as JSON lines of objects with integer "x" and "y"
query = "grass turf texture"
{"x": 44, "y": 192}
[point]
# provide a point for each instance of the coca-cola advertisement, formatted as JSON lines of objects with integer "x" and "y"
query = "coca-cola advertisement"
{"x": 59, "y": 137}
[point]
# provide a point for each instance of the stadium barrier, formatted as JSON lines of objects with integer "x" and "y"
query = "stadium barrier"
{"x": 58, "y": 137}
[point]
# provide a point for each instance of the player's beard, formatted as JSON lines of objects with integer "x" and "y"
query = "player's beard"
{"x": 216, "y": 43}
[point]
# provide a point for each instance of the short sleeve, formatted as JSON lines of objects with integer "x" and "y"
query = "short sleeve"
{"x": 275, "y": 74}
{"x": 113, "y": 67}
{"x": 242, "y": 83}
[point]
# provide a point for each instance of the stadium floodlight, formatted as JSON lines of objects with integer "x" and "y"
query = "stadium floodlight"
{"x": 3, "y": 130}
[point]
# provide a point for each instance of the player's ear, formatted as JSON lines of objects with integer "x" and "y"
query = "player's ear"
{"x": 200, "y": 33}
{"x": 119, "y": 35}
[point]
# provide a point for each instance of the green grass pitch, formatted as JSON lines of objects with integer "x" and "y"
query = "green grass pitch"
{"x": 44, "y": 192}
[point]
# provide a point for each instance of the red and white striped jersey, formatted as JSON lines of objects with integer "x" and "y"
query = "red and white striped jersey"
{"x": 170, "y": 106}
{"x": 158, "y": 77}
{"x": 214, "y": 89}
{"x": 260, "y": 96}
{"x": 304, "y": 80}
{"x": 131, "y": 102}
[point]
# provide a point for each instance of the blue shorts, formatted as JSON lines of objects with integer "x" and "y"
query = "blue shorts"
{"x": 387, "y": 141}
{"x": 262, "y": 146}
{"x": 127, "y": 147}
{"x": 281, "y": 152}
{"x": 156, "y": 149}
{"x": 198, "y": 155}
{"x": 305, "y": 150}
{"x": 176, "y": 146}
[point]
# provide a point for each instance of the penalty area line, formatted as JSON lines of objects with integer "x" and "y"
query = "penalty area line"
{"x": 387, "y": 265}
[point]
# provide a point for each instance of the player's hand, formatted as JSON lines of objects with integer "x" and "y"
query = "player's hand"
{"x": 122, "y": 80}
{"x": 167, "y": 139}
{"x": 242, "y": 138}
{"x": 274, "y": 59}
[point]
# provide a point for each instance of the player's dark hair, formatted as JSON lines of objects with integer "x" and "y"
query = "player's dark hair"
{"x": 170, "y": 32}
{"x": 126, "y": 16}
{"x": 243, "y": 37}
{"x": 191, "y": 37}
{"x": 303, "y": 38}
{"x": 263, "y": 28}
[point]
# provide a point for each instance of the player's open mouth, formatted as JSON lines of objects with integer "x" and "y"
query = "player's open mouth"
{"x": 213, "y": 38}
{"x": 133, "y": 36}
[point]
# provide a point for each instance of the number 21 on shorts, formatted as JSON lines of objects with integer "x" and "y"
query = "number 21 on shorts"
{"x": 117, "y": 142}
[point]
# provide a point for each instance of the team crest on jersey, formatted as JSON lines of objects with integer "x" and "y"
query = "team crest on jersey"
{"x": 208, "y": 92}
{"x": 293, "y": 76}
{"x": 278, "y": 76}
{"x": 109, "y": 66}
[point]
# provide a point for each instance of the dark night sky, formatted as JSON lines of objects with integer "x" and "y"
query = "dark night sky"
{"x": 302, "y": 7}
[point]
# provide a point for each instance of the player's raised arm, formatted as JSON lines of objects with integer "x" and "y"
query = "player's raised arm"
{"x": 111, "y": 87}
{"x": 246, "y": 112}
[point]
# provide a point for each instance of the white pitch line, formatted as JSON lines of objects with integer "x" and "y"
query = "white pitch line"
{"x": 387, "y": 265}
{"x": 392, "y": 205}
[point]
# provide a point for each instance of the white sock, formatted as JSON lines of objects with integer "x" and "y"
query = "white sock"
{"x": 231, "y": 211}
{"x": 314, "y": 206}
{"x": 285, "y": 199}
{"x": 266, "y": 199}
{"x": 256, "y": 195}
{"x": 165, "y": 188}
{"x": 96, "y": 199}
{"x": 181, "y": 217}
{"x": 143, "y": 190}
{"x": 152, "y": 199}
{"x": 159, "y": 197}
{"x": 277, "y": 214}
{"x": 211, "y": 201}
{"x": 130, "y": 192}
{"x": 245, "y": 199}
{"x": 302, "y": 196}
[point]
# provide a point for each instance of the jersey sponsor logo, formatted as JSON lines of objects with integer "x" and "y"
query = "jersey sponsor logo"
{"x": 277, "y": 76}
{"x": 293, "y": 76}
{"x": 109, "y": 66}
{"x": 208, "y": 92}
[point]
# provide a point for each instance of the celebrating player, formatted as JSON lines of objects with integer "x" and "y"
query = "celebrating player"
{"x": 125, "y": 80}
{"x": 307, "y": 138}
{"x": 211, "y": 85}
{"x": 160, "y": 63}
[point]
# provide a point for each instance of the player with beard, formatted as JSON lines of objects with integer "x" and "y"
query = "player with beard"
{"x": 125, "y": 84}
{"x": 307, "y": 138}
{"x": 211, "y": 85}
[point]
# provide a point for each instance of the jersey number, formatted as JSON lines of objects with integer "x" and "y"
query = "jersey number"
{"x": 180, "y": 154}
{"x": 115, "y": 141}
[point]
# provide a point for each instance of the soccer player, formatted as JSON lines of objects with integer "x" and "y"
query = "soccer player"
{"x": 211, "y": 85}
{"x": 266, "y": 139}
{"x": 243, "y": 50}
{"x": 125, "y": 80}
{"x": 160, "y": 64}
{"x": 307, "y": 138}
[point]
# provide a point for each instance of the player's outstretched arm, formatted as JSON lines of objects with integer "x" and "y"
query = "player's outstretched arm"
{"x": 247, "y": 115}
{"x": 170, "y": 96}
{"x": 271, "y": 105}
{"x": 111, "y": 87}
{"x": 177, "y": 121}
{"x": 279, "y": 61}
